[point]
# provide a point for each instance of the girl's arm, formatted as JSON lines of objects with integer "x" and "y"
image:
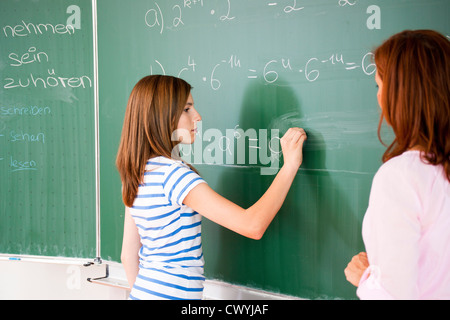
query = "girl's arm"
{"x": 252, "y": 222}
{"x": 130, "y": 248}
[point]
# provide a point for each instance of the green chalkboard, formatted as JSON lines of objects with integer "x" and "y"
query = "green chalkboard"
{"x": 47, "y": 159}
{"x": 256, "y": 66}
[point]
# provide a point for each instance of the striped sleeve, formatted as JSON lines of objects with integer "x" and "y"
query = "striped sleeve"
{"x": 178, "y": 181}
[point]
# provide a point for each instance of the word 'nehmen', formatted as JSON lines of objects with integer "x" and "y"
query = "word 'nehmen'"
{"x": 27, "y": 28}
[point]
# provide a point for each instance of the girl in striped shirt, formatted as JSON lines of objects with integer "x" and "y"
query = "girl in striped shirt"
{"x": 166, "y": 198}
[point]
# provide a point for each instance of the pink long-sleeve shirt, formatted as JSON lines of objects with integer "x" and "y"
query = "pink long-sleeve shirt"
{"x": 406, "y": 232}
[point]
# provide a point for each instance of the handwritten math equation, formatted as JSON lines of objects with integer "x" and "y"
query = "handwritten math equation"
{"x": 174, "y": 16}
{"x": 269, "y": 73}
{"x": 162, "y": 17}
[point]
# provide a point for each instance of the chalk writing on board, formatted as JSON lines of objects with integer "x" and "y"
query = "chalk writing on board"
{"x": 25, "y": 29}
{"x": 190, "y": 3}
{"x": 25, "y": 111}
{"x": 227, "y": 16}
{"x": 310, "y": 70}
{"x": 28, "y": 57}
{"x": 31, "y": 67}
{"x": 48, "y": 81}
{"x": 14, "y": 135}
{"x": 289, "y": 8}
{"x": 232, "y": 63}
{"x": 343, "y": 3}
{"x": 156, "y": 18}
{"x": 26, "y": 137}
{"x": 22, "y": 165}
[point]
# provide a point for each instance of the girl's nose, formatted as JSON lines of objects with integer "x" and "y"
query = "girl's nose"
{"x": 197, "y": 116}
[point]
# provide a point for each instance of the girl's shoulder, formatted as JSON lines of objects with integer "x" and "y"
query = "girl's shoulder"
{"x": 410, "y": 168}
{"x": 405, "y": 160}
{"x": 163, "y": 164}
{"x": 174, "y": 176}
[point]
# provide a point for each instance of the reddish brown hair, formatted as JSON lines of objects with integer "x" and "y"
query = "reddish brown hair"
{"x": 153, "y": 111}
{"x": 415, "y": 68}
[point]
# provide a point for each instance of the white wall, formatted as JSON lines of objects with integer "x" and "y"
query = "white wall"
{"x": 53, "y": 281}
{"x": 66, "y": 279}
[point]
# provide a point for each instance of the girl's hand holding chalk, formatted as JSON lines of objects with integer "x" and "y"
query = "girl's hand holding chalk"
{"x": 291, "y": 145}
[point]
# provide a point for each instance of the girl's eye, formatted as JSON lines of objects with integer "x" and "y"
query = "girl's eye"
{"x": 186, "y": 109}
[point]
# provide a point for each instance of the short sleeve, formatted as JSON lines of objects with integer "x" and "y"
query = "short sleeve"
{"x": 179, "y": 180}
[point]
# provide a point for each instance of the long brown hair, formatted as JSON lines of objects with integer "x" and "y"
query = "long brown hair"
{"x": 415, "y": 69}
{"x": 153, "y": 110}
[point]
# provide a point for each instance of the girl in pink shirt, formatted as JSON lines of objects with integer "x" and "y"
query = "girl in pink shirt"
{"x": 406, "y": 229}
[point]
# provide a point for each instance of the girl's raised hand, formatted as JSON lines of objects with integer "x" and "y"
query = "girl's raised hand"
{"x": 292, "y": 145}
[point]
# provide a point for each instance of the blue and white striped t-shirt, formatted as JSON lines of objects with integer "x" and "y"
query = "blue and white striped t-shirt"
{"x": 171, "y": 257}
